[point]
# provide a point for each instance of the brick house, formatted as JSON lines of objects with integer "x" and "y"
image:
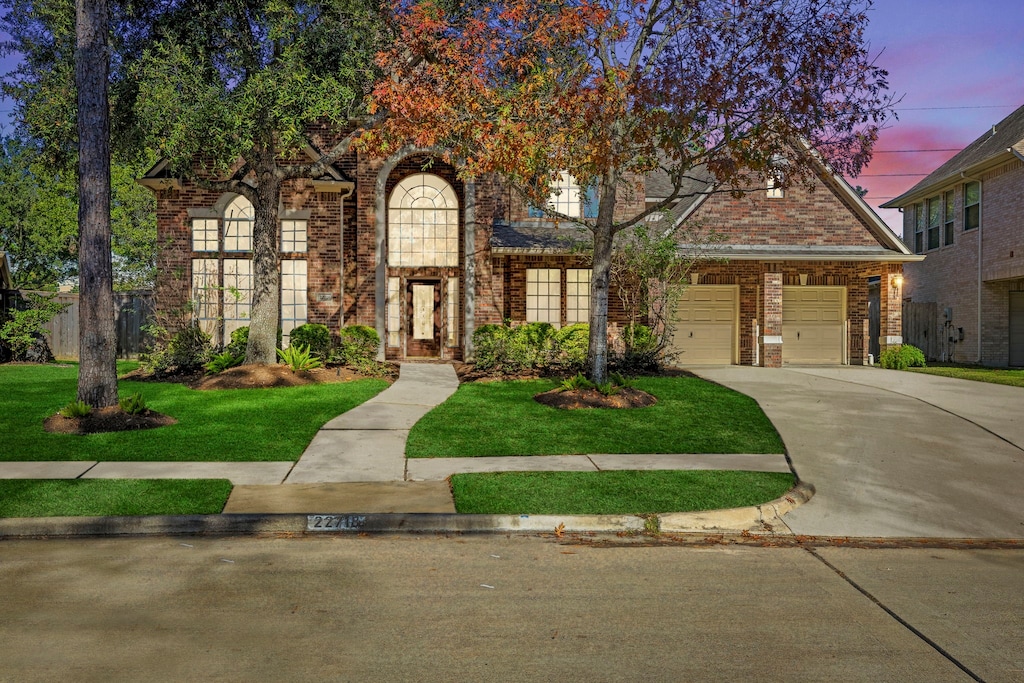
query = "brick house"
{"x": 967, "y": 298}
{"x": 405, "y": 246}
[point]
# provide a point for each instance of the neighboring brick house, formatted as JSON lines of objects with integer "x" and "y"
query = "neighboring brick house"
{"x": 967, "y": 297}
{"x": 405, "y": 246}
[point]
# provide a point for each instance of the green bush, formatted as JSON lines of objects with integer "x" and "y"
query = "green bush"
{"x": 298, "y": 358}
{"x": 222, "y": 361}
{"x": 187, "y": 350}
{"x": 357, "y": 346}
{"x": 572, "y": 343}
{"x": 504, "y": 349}
{"x": 76, "y": 409}
{"x": 25, "y": 327}
{"x": 902, "y": 357}
{"x": 133, "y": 404}
{"x": 315, "y": 337}
{"x": 639, "y": 337}
{"x": 239, "y": 340}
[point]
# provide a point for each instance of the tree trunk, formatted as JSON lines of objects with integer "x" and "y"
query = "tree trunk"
{"x": 604, "y": 235}
{"x": 97, "y": 370}
{"x": 266, "y": 291}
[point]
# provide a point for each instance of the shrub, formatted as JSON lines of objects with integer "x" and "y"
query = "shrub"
{"x": 902, "y": 357}
{"x": 572, "y": 343}
{"x": 504, "y": 349}
{"x": 25, "y": 328}
{"x": 239, "y": 340}
{"x": 76, "y": 409}
{"x": 222, "y": 361}
{"x": 315, "y": 337}
{"x": 577, "y": 381}
{"x": 488, "y": 342}
{"x": 134, "y": 404}
{"x": 640, "y": 351}
{"x": 358, "y": 345}
{"x": 298, "y": 358}
{"x": 187, "y": 350}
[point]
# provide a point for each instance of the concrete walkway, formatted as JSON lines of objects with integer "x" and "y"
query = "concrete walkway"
{"x": 895, "y": 454}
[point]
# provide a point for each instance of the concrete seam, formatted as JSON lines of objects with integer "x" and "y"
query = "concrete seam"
{"x": 87, "y": 470}
{"x": 596, "y": 466}
{"x": 903, "y": 622}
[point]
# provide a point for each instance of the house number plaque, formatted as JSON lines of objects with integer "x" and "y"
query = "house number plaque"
{"x": 334, "y": 522}
{"x": 324, "y": 296}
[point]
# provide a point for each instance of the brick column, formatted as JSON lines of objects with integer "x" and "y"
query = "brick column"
{"x": 891, "y": 308}
{"x": 771, "y": 326}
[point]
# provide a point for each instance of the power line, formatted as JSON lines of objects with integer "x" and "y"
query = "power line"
{"x": 890, "y": 175}
{"x": 902, "y": 151}
{"x": 980, "y": 106}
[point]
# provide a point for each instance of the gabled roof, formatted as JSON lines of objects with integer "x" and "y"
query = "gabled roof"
{"x": 1003, "y": 142}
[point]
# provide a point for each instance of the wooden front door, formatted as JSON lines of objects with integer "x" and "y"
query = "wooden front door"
{"x": 423, "y": 319}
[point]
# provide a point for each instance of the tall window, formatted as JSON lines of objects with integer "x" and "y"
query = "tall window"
{"x": 544, "y": 295}
{"x": 205, "y": 293}
{"x": 237, "y": 294}
{"x": 453, "y": 311}
{"x": 949, "y": 203}
{"x": 934, "y": 222}
{"x": 423, "y": 223}
{"x": 577, "y": 295}
{"x": 775, "y": 190}
{"x": 293, "y": 297}
{"x": 972, "y": 205}
{"x": 238, "y": 219}
{"x": 919, "y": 222}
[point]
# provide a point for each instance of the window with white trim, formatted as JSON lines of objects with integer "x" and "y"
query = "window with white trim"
{"x": 293, "y": 297}
{"x": 423, "y": 223}
{"x": 293, "y": 235}
{"x": 205, "y": 294}
{"x": 920, "y": 220}
{"x": 237, "y": 294}
{"x": 577, "y": 295}
{"x": 544, "y": 295}
{"x": 239, "y": 217}
{"x": 949, "y": 206}
{"x": 775, "y": 189}
{"x": 934, "y": 221}
{"x": 205, "y": 234}
{"x": 394, "y": 311}
{"x": 453, "y": 311}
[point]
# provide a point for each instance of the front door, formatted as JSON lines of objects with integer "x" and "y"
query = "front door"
{"x": 423, "y": 319}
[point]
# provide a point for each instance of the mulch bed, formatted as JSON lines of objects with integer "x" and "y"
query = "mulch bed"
{"x": 253, "y": 377}
{"x": 111, "y": 419}
{"x": 627, "y": 397}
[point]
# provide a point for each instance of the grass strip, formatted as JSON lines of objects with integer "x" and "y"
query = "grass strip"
{"x": 614, "y": 492}
{"x": 501, "y": 418}
{"x": 1013, "y": 378}
{"x": 103, "y": 497}
{"x": 233, "y": 425}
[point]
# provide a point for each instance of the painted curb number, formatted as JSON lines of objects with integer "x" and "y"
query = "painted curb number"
{"x": 334, "y": 522}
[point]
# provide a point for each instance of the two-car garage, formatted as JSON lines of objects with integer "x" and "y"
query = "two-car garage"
{"x": 706, "y": 325}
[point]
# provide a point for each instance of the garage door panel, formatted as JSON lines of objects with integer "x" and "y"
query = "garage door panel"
{"x": 705, "y": 325}
{"x": 812, "y": 325}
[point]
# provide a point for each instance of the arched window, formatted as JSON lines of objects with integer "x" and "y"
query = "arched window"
{"x": 423, "y": 223}
{"x": 238, "y": 220}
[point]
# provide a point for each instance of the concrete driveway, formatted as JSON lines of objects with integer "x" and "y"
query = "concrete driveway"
{"x": 895, "y": 454}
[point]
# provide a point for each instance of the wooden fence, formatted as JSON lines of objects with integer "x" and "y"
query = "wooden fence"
{"x": 131, "y": 312}
{"x": 921, "y": 327}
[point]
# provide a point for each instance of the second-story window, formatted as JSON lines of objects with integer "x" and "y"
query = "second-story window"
{"x": 569, "y": 199}
{"x": 949, "y": 204}
{"x": 972, "y": 205}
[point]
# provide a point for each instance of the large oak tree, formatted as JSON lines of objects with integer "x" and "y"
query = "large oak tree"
{"x": 610, "y": 90}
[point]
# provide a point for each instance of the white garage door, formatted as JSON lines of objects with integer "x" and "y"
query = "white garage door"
{"x": 812, "y": 325}
{"x": 705, "y": 323}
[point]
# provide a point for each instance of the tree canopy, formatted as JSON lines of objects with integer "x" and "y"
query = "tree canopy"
{"x": 611, "y": 90}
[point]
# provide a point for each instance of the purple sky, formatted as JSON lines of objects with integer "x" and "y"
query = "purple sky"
{"x": 959, "y": 68}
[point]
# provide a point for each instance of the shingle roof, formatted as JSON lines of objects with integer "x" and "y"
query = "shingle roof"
{"x": 540, "y": 238}
{"x": 1008, "y": 133}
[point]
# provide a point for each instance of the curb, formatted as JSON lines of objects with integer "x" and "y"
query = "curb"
{"x": 755, "y": 518}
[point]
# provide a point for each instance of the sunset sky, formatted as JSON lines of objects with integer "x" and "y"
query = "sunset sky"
{"x": 958, "y": 67}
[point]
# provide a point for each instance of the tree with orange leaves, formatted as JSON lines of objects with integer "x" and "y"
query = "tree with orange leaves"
{"x": 606, "y": 90}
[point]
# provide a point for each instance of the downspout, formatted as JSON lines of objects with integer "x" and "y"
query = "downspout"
{"x": 981, "y": 208}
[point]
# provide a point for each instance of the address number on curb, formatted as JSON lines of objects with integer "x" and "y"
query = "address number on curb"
{"x": 334, "y": 522}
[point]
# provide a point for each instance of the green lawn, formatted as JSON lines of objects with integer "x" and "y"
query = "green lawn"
{"x": 501, "y": 418}
{"x": 100, "y": 497}
{"x": 227, "y": 425}
{"x": 1013, "y": 378}
{"x": 631, "y": 492}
